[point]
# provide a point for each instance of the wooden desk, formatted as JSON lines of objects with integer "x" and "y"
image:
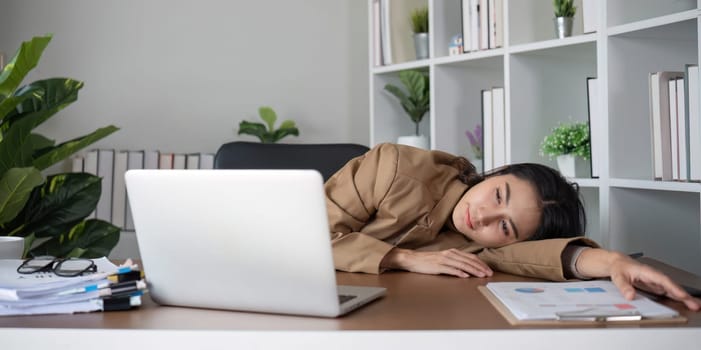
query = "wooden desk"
{"x": 413, "y": 302}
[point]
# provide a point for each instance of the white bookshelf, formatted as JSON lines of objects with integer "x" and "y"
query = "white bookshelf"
{"x": 545, "y": 83}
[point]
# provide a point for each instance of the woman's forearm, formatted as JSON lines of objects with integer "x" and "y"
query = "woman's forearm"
{"x": 596, "y": 262}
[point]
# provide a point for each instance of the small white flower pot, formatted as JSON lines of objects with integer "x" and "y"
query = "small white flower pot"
{"x": 572, "y": 166}
{"x": 420, "y": 141}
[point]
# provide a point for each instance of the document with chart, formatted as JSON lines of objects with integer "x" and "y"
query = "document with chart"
{"x": 588, "y": 300}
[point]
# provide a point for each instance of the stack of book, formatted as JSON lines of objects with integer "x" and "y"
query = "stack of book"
{"x": 110, "y": 288}
{"x": 675, "y": 124}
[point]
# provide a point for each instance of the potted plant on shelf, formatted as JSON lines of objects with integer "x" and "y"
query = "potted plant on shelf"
{"x": 415, "y": 102}
{"x": 570, "y": 144}
{"x": 49, "y": 213}
{"x": 419, "y": 25}
{"x": 564, "y": 17}
{"x": 267, "y": 133}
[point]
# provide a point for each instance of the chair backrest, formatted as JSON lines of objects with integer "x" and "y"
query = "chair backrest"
{"x": 327, "y": 158}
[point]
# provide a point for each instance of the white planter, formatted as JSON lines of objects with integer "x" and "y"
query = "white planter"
{"x": 571, "y": 166}
{"x": 420, "y": 141}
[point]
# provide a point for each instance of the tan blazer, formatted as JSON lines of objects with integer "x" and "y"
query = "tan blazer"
{"x": 400, "y": 196}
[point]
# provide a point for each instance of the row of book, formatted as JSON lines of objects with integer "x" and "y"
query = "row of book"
{"x": 111, "y": 165}
{"x": 675, "y": 124}
{"x": 482, "y": 24}
{"x": 110, "y": 288}
{"x": 494, "y": 128}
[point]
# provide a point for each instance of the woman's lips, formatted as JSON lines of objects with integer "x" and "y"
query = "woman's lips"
{"x": 468, "y": 220}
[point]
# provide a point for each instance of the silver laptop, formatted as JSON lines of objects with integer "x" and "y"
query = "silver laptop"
{"x": 248, "y": 240}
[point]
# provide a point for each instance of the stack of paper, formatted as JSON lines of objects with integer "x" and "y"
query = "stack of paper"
{"x": 110, "y": 288}
{"x": 547, "y": 300}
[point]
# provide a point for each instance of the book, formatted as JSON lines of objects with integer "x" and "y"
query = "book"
{"x": 474, "y": 25}
{"x": 77, "y": 164}
{"x": 376, "y": 38}
{"x": 151, "y": 159}
{"x": 178, "y": 161}
{"x": 105, "y": 168}
{"x": 498, "y": 128}
{"x": 135, "y": 160}
{"x": 385, "y": 33}
{"x": 682, "y": 130}
{"x": 595, "y": 126}
{"x": 483, "y": 24}
{"x": 206, "y": 161}
{"x": 119, "y": 189}
{"x": 498, "y": 25}
{"x": 466, "y": 10}
{"x": 547, "y": 302}
{"x": 165, "y": 160}
{"x": 660, "y": 124}
{"x": 673, "y": 127}
{"x": 193, "y": 161}
{"x": 692, "y": 93}
{"x": 488, "y": 151}
{"x": 90, "y": 167}
{"x": 590, "y": 15}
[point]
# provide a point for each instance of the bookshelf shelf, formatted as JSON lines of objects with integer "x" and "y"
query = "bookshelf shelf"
{"x": 544, "y": 81}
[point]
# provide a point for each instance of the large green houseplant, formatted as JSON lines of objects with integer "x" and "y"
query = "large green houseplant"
{"x": 49, "y": 212}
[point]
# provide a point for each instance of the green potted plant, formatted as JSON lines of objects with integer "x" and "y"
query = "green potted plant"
{"x": 267, "y": 133}
{"x": 564, "y": 17}
{"x": 568, "y": 143}
{"x": 48, "y": 212}
{"x": 415, "y": 101}
{"x": 419, "y": 25}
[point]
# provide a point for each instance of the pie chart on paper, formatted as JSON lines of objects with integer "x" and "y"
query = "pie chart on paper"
{"x": 530, "y": 290}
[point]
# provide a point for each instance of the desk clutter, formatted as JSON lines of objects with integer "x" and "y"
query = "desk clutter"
{"x": 109, "y": 288}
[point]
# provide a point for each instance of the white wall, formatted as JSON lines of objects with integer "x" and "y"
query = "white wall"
{"x": 179, "y": 75}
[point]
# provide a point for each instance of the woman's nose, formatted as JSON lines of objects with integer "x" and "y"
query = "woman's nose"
{"x": 488, "y": 215}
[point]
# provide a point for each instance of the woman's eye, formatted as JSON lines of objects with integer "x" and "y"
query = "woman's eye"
{"x": 504, "y": 228}
{"x": 498, "y": 196}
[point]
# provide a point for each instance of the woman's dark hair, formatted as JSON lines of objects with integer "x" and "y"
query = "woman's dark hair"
{"x": 563, "y": 213}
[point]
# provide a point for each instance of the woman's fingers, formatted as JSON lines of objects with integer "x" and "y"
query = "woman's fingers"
{"x": 466, "y": 262}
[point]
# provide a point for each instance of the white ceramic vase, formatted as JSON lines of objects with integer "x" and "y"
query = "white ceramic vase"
{"x": 420, "y": 141}
{"x": 572, "y": 166}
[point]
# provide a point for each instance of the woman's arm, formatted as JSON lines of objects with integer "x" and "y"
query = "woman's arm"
{"x": 449, "y": 262}
{"x": 627, "y": 274}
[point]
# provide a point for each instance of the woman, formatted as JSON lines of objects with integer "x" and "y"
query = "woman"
{"x": 398, "y": 207}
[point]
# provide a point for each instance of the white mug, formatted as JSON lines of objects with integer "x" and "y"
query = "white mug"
{"x": 11, "y": 247}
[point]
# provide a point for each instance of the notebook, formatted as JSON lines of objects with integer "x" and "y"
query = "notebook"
{"x": 247, "y": 240}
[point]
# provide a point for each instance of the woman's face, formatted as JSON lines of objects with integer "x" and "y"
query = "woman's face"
{"x": 498, "y": 211}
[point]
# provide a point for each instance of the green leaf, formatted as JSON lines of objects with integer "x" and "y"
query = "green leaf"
{"x": 399, "y": 94}
{"x": 40, "y": 142}
{"x": 67, "y": 148}
{"x": 280, "y": 133}
{"x": 87, "y": 239}
{"x": 60, "y": 203}
{"x": 26, "y": 58}
{"x": 16, "y": 149}
{"x": 255, "y": 129}
{"x": 46, "y": 95}
{"x": 415, "y": 83}
{"x": 269, "y": 116}
{"x": 9, "y": 104}
{"x": 288, "y": 124}
{"x": 15, "y": 188}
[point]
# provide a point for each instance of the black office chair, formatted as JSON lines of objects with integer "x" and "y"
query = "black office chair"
{"x": 326, "y": 158}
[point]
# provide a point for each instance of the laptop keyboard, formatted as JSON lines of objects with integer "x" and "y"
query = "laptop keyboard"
{"x": 342, "y": 298}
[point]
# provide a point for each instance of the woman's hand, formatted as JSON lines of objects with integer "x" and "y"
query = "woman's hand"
{"x": 627, "y": 274}
{"x": 449, "y": 262}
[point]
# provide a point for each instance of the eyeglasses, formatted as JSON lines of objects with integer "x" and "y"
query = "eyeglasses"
{"x": 70, "y": 267}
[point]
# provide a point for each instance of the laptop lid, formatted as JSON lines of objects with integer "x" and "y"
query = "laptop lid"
{"x": 249, "y": 240}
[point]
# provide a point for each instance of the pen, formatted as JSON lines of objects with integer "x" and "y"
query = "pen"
{"x": 103, "y": 286}
{"x": 127, "y": 276}
{"x": 123, "y": 288}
